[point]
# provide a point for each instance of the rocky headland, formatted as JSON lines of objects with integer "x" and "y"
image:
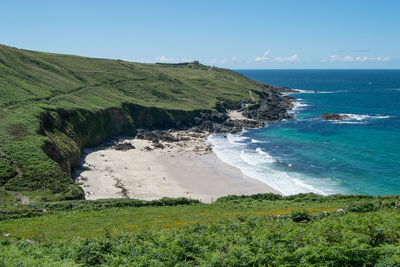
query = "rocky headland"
{"x": 273, "y": 106}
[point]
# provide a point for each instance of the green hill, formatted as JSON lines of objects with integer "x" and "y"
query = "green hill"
{"x": 54, "y": 105}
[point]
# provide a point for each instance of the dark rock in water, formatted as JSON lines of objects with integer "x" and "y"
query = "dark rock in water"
{"x": 124, "y": 146}
{"x": 333, "y": 117}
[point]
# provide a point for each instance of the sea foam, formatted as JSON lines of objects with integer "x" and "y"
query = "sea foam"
{"x": 358, "y": 118}
{"x": 361, "y": 117}
{"x": 298, "y": 105}
{"x": 259, "y": 165}
{"x": 301, "y": 91}
{"x": 236, "y": 140}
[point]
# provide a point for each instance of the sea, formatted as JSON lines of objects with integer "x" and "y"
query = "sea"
{"x": 359, "y": 155}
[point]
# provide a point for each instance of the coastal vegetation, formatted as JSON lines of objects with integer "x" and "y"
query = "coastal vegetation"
{"x": 258, "y": 230}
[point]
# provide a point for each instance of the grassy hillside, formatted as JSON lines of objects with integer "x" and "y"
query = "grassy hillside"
{"x": 258, "y": 230}
{"x": 53, "y": 105}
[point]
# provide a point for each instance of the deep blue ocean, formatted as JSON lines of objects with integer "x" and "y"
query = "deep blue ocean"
{"x": 360, "y": 155}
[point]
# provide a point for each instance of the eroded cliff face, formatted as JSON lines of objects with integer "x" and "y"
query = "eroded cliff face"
{"x": 69, "y": 131}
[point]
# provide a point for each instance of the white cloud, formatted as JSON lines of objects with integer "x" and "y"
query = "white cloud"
{"x": 348, "y": 58}
{"x": 142, "y": 60}
{"x": 225, "y": 60}
{"x": 264, "y": 57}
{"x": 292, "y": 58}
{"x": 383, "y": 59}
{"x": 332, "y": 59}
{"x": 164, "y": 59}
{"x": 361, "y": 59}
{"x": 386, "y": 59}
{"x": 185, "y": 60}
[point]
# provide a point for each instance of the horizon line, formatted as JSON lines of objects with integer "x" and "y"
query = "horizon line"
{"x": 132, "y": 61}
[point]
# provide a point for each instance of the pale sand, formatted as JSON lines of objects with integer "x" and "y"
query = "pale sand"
{"x": 237, "y": 115}
{"x": 182, "y": 169}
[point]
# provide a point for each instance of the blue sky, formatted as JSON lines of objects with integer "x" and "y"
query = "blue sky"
{"x": 233, "y": 34}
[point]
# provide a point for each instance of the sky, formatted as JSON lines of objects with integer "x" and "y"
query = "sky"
{"x": 280, "y": 34}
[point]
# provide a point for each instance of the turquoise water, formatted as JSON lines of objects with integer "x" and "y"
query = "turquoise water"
{"x": 307, "y": 154}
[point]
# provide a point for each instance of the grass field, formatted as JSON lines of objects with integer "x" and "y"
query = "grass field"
{"x": 59, "y": 104}
{"x": 91, "y": 224}
{"x": 268, "y": 230}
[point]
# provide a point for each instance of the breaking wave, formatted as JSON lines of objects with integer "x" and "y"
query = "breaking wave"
{"x": 258, "y": 164}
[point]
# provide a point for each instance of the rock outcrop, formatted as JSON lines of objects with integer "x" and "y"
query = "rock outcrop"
{"x": 333, "y": 117}
{"x": 156, "y": 135}
{"x": 124, "y": 146}
{"x": 272, "y": 107}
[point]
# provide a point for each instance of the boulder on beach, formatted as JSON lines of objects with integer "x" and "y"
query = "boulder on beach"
{"x": 333, "y": 117}
{"x": 147, "y": 148}
{"x": 157, "y": 144}
{"x": 124, "y": 146}
{"x": 156, "y": 135}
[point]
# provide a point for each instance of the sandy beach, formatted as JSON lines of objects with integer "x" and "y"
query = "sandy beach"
{"x": 186, "y": 168}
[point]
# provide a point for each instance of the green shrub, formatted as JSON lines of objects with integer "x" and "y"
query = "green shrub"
{"x": 39, "y": 209}
{"x": 377, "y": 236}
{"x": 301, "y": 216}
{"x": 7, "y": 171}
{"x": 266, "y": 196}
{"x": 92, "y": 252}
{"x": 362, "y": 207}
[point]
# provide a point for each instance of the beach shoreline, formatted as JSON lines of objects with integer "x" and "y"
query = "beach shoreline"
{"x": 147, "y": 170}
